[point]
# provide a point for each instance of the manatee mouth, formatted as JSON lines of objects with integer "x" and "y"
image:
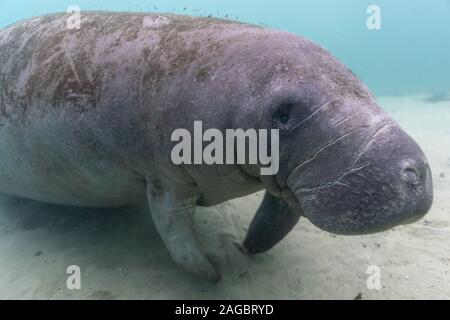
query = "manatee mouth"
{"x": 342, "y": 209}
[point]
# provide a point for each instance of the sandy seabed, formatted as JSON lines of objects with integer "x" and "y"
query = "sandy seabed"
{"x": 121, "y": 256}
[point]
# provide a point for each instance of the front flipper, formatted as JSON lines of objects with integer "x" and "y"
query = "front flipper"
{"x": 272, "y": 222}
{"x": 172, "y": 212}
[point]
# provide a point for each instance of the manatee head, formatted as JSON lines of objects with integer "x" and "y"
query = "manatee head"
{"x": 344, "y": 163}
{"x": 364, "y": 188}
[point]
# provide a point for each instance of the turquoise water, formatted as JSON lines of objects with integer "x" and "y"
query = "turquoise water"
{"x": 410, "y": 54}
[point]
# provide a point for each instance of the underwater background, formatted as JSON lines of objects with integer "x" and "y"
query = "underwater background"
{"x": 406, "y": 64}
{"x": 409, "y": 54}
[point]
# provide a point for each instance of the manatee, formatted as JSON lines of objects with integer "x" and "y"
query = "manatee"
{"x": 86, "y": 117}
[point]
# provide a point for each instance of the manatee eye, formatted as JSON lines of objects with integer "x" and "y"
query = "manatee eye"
{"x": 282, "y": 116}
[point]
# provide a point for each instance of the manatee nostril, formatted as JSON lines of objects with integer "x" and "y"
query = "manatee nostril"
{"x": 410, "y": 176}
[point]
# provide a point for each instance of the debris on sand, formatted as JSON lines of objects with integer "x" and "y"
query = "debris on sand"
{"x": 438, "y": 97}
{"x": 358, "y": 296}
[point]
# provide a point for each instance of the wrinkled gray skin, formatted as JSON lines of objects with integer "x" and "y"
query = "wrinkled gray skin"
{"x": 86, "y": 118}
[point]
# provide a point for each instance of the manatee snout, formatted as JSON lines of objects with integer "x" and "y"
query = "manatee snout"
{"x": 388, "y": 183}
